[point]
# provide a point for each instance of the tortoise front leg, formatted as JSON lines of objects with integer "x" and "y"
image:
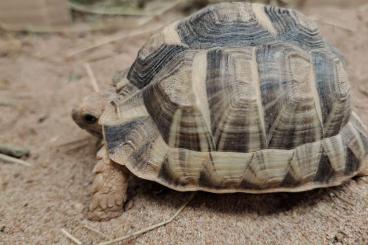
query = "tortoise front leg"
{"x": 109, "y": 189}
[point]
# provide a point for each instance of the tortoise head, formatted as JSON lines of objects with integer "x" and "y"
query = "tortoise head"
{"x": 87, "y": 114}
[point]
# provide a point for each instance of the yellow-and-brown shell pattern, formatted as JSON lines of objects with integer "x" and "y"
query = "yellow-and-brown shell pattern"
{"x": 238, "y": 97}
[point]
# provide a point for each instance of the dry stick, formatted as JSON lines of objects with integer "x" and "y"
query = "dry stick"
{"x": 169, "y": 7}
{"x": 71, "y": 237}
{"x": 102, "y": 11}
{"x": 104, "y": 41}
{"x": 73, "y": 147}
{"x": 73, "y": 142}
{"x": 76, "y": 148}
{"x": 41, "y": 29}
{"x": 332, "y": 23}
{"x": 7, "y": 104}
{"x": 13, "y": 151}
{"x": 96, "y": 231}
{"x": 14, "y": 160}
{"x": 122, "y": 36}
{"x": 152, "y": 227}
{"x": 59, "y": 29}
{"x": 92, "y": 77}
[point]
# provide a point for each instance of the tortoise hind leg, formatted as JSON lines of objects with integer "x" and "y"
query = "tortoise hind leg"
{"x": 109, "y": 190}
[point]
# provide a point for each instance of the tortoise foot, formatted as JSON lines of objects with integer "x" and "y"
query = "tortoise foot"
{"x": 109, "y": 190}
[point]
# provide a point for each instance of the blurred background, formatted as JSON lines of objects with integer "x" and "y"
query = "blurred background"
{"x": 54, "y": 52}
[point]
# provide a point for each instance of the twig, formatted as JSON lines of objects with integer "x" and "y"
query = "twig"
{"x": 333, "y": 23}
{"x": 14, "y": 160}
{"x": 104, "y": 41}
{"x": 152, "y": 227}
{"x": 73, "y": 142}
{"x": 92, "y": 9}
{"x": 92, "y": 77}
{"x": 73, "y": 146}
{"x": 76, "y": 148}
{"x": 71, "y": 237}
{"x": 76, "y": 28}
{"x": 169, "y": 7}
{"x": 122, "y": 36}
{"x": 96, "y": 231}
{"x": 44, "y": 29}
{"x": 6, "y": 104}
{"x": 13, "y": 151}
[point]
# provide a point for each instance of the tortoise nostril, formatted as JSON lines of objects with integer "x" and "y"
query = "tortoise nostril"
{"x": 90, "y": 119}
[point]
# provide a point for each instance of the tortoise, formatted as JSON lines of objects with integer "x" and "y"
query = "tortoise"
{"x": 237, "y": 97}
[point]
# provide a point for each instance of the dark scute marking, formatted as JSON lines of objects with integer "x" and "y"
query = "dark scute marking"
{"x": 143, "y": 71}
{"x": 213, "y": 73}
{"x": 192, "y": 140}
{"x": 246, "y": 185}
{"x": 234, "y": 142}
{"x": 160, "y": 109}
{"x": 335, "y": 107}
{"x": 222, "y": 90}
{"x": 365, "y": 142}
{"x": 288, "y": 25}
{"x": 205, "y": 181}
{"x": 325, "y": 171}
{"x": 215, "y": 86}
{"x": 141, "y": 155}
{"x": 273, "y": 86}
{"x": 165, "y": 175}
{"x": 290, "y": 181}
{"x": 117, "y": 135}
{"x": 286, "y": 123}
{"x": 323, "y": 73}
{"x": 204, "y": 30}
{"x": 352, "y": 162}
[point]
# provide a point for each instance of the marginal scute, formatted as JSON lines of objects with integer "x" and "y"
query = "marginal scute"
{"x": 289, "y": 181}
{"x": 268, "y": 168}
{"x": 262, "y": 171}
{"x": 335, "y": 150}
{"x": 325, "y": 170}
{"x": 353, "y": 163}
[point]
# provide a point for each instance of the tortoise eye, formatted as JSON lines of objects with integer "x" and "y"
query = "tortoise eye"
{"x": 90, "y": 119}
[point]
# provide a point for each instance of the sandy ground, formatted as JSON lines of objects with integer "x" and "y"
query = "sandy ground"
{"x": 36, "y": 202}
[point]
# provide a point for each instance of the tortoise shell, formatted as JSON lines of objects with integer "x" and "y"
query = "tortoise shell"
{"x": 238, "y": 97}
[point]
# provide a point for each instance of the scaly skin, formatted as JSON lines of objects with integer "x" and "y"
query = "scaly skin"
{"x": 109, "y": 189}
